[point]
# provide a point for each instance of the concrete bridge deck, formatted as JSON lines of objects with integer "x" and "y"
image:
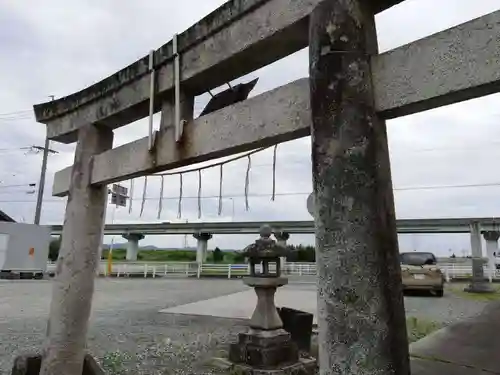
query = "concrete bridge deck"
{"x": 404, "y": 226}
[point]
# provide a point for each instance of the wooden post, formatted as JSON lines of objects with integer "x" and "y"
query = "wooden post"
{"x": 361, "y": 315}
{"x": 73, "y": 286}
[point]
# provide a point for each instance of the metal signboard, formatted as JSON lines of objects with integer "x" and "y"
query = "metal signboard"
{"x": 119, "y": 195}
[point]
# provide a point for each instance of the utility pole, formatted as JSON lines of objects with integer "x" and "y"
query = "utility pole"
{"x": 41, "y": 185}
{"x": 186, "y": 238}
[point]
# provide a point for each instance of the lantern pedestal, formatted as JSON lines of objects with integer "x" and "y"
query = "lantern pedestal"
{"x": 266, "y": 348}
{"x": 265, "y": 315}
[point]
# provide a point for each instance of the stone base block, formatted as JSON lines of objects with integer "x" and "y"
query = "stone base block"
{"x": 263, "y": 357}
{"x": 263, "y": 338}
{"x": 264, "y": 349}
{"x": 304, "y": 366}
{"x": 29, "y": 364}
{"x": 479, "y": 287}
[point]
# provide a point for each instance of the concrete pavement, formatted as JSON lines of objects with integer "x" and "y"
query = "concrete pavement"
{"x": 469, "y": 347}
{"x": 303, "y": 296}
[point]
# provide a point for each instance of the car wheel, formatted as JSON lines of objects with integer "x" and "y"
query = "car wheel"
{"x": 439, "y": 293}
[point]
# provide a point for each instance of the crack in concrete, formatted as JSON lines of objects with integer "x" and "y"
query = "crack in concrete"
{"x": 436, "y": 359}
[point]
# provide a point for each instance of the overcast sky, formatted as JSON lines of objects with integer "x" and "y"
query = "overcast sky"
{"x": 59, "y": 47}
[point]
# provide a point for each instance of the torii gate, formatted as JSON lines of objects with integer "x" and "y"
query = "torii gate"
{"x": 343, "y": 104}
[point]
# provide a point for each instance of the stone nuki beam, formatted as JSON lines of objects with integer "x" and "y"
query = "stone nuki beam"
{"x": 237, "y": 38}
{"x": 404, "y": 83}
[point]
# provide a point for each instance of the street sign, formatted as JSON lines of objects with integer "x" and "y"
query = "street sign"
{"x": 119, "y": 195}
{"x": 310, "y": 204}
{"x": 120, "y": 190}
{"x": 118, "y": 200}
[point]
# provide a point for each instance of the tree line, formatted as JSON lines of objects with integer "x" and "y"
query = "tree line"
{"x": 296, "y": 253}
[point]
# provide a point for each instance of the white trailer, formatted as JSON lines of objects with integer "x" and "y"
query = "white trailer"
{"x": 24, "y": 248}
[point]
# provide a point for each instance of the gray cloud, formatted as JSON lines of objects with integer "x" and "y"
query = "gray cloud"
{"x": 62, "y": 47}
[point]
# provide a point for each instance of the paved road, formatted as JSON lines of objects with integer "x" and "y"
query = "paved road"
{"x": 125, "y": 318}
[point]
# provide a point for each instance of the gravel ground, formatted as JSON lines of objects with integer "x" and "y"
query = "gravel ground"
{"x": 129, "y": 335}
{"x": 446, "y": 310}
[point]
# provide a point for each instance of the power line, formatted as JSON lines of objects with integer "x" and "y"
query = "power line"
{"x": 436, "y": 187}
{"x": 38, "y": 149}
{"x": 27, "y": 192}
{"x": 229, "y": 196}
{"x": 14, "y": 149}
{"x": 32, "y": 149}
{"x": 20, "y": 118}
{"x": 19, "y": 185}
{"x": 15, "y": 112}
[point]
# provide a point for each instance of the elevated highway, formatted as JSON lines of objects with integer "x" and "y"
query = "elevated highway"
{"x": 404, "y": 226}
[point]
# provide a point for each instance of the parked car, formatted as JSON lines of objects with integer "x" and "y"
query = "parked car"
{"x": 420, "y": 272}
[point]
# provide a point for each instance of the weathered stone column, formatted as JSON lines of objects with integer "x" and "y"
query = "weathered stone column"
{"x": 133, "y": 244}
{"x": 491, "y": 239}
{"x": 202, "y": 246}
{"x": 478, "y": 283}
{"x": 73, "y": 285}
{"x": 281, "y": 239}
{"x": 361, "y": 317}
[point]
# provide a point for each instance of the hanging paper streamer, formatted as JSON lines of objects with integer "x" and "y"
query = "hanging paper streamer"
{"x": 144, "y": 191}
{"x": 273, "y": 197}
{"x": 220, "y": 189}
{"x": 131, "y": 196}
{"x": 247, "y": 181}
{"x": 179, "y": 207}
{"x": 199, "y": 193}
{"x": 221, "y": 164}
{"x": 160, "y": 202}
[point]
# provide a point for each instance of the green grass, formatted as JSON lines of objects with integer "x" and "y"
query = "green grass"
{"x": 416, "y": 328}
{"x": 419, "y": 328}
{"x": 114, "y": 363}
{"x": 171, "y": 256}
{"x": 482, "y": 297}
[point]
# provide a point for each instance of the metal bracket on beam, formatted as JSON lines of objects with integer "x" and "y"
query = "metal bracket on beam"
{"x": 179, "y": 123}
{"x": 151, "y": 98}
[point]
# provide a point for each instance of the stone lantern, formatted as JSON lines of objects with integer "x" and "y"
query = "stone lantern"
{"x": 266, "y": 252}
{"x": 266, "y": 348}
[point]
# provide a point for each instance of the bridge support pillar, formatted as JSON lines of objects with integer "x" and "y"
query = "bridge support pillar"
{"x": 202, "y": 246}
{"x": 478, "y": 283}
{"x": 133, "y": 244}
{"x": 281, "y": 239}
{"x": 491, "y": 238}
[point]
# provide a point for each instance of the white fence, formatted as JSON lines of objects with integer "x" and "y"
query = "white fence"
{"x": 451, "y": 271}
{"x": 454, "y": 271}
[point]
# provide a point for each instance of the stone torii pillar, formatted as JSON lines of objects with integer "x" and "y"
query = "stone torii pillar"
{"x": 281, "y": 239}
{"x": 361, "y": 316}
{"x": 491, "y": 238}
{"x": 133, "y": 244}
{"x": 202, "y": 246}
{"x": 73, "y": 285}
